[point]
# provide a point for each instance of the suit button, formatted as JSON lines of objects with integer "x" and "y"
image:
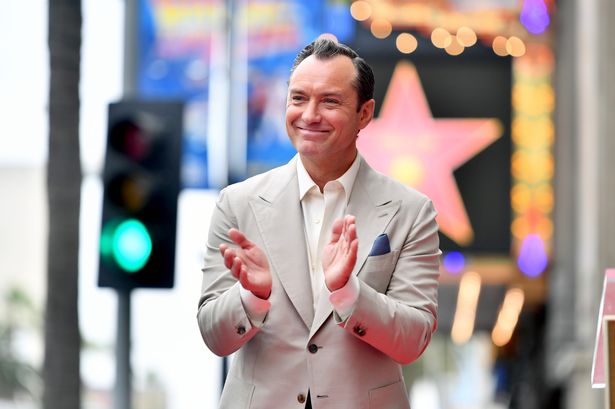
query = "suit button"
{"x": 313, "y": 348}
{"x": 301, "y": 398}
{"x": 359, "y": 330}
{"x": 241, "y": 330}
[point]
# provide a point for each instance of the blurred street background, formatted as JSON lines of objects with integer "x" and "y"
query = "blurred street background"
{"x": 499, "y": 110}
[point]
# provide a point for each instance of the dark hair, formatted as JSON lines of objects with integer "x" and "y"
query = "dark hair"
{"x": 324, "y": 49}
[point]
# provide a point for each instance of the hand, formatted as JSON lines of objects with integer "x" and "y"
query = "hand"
{"x": 340, "y": 254}
{"x": 248, "y": 264}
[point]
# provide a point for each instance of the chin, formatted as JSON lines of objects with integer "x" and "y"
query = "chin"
{"x": 310, "y": 148}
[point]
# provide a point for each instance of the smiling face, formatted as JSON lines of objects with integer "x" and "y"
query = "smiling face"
{"x": 322, "y": 119}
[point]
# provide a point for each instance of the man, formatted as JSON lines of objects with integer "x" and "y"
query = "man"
{"x": 321, "y": 275}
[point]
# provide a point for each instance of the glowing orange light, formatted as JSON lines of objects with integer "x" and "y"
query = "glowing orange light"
{"x": 406, "y": 43}
{"x": 499, "y": 46}
{"x": 515, "y": 46}
{"x": 544, "y": 198}
{"x": 360, "y": 10}
{"x": 466, "y": 36}
{"x": 467, "y": 301}
{"x": 534, "y": 133}
{"x": 541, "y": 225}
{"x": 520, "y": 227}
{"x": 532, "y": 166}
{"x": 520, "y": 198}
{"x": 508, "y": 317}
{"x": 441, "y": 38}
{"x": 454, "y": 48}
{"x": 534, "y": 99}
{"x": 381, "y": 28}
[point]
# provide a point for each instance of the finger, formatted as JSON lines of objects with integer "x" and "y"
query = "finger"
{"x": 351, "y": 232}
{"x": 236, "y": 268}
{"x": 336, "y": 230}
{"x": 354, "y": 248}
{"x": 239, "y": 238}
{"x": 223, "y": 247}
{"x": 352, "y": 253}
{"x": 229, "y": 255}
{"x": 349, "y": 220}
{"x": 243, "y": 278}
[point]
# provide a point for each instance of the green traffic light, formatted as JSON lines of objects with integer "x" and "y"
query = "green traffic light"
{"x": 128, "y": 243}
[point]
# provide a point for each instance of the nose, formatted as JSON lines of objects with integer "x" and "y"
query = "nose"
{"x": 310, "y": 114}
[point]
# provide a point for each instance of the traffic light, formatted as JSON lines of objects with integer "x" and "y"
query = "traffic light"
{"x": 141, "y": 183}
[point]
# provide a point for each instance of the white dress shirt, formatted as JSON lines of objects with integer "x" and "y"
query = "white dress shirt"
{"x": 320, "y": 210}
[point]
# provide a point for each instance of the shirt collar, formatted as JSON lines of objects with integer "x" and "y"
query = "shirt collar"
{"x": 346, "y": 180}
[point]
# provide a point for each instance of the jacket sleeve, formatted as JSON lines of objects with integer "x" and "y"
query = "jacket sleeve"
{"x": 401, "y": 321}
{"x": 222, "y": 319}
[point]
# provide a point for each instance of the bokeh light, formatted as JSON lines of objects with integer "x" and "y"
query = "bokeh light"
{"x": 532, "y": 260}
{"x": 515, "y": 46}
{"x": 466, "y": 36}
{"x": 454, "y": 262}
{"x": 454, "y": 48}
{"x": 441, "y": 38}
{"x": 381, "y": 28}
{"x": 360, "y": 10}
{"x": 406, "y": 43}
{"x": 499, "y": 46}
{"x": 508, "y": 317}
{"x": 467, "y": 301}
{"x": 535, "y": 16}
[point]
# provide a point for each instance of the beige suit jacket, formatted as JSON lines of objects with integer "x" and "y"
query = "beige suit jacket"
{"x": 355, "y": 363}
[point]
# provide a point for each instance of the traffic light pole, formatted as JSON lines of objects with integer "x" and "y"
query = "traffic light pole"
{"x": 123, "y": 382}
{"x": 123, "y": 373}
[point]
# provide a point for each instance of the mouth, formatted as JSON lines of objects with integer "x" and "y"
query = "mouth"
{"x": 313, "y": 132}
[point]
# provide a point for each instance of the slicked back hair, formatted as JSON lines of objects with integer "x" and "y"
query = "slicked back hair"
{"x": 324, "y": 49}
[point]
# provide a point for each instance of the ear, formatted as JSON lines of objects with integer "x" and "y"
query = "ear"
{"x": 366, "y": 113}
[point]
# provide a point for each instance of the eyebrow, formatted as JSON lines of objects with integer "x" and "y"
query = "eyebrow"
{"x": 326, "y": 94}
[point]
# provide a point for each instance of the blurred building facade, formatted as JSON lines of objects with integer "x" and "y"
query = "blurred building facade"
{"x": 548, "y": 360}
{"x": 584, "y": 218}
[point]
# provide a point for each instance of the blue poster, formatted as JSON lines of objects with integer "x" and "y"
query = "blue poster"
{"x": 278, "y": 30}
{"x": 174, "y": 63}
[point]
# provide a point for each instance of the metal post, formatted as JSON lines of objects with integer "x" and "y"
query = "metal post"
{"x": 237, "y": 113}
{"x": 123, "y": 384}
{"x": 123, "y": 373}
{"x": 131, "y": 46}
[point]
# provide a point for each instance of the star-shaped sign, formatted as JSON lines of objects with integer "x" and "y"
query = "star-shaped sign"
{"x": 408, "y": 144}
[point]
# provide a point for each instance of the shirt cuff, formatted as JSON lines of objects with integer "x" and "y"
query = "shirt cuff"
{"x": 344, "y": 299}
{"x": 255, "y": 307}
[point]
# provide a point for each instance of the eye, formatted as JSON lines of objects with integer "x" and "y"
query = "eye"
{"x": 331, "y": 101}
{"x": 297, "y": 98}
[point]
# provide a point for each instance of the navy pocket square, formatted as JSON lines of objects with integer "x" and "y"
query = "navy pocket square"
{"x": 381, "y": 246}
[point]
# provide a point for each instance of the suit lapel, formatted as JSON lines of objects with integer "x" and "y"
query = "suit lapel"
{"x": 280, "y": 220}
{"x": 373, "y": 212}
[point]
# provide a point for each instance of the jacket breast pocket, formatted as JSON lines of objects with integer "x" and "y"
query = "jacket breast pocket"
{"x": 391, "y": 396}
{"x": 377, "y": 270}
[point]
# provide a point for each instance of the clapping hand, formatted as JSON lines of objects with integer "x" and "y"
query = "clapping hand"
{"x": 340, "y": 254}
{"x": 248, "y": 264}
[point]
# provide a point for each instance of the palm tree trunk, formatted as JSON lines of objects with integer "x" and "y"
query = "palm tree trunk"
{"x": 62, "y": 339}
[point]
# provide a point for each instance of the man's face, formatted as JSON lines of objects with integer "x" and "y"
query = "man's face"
{"x": 322, "y": 120}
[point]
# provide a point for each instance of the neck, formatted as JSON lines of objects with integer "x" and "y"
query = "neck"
{"x": 322, "y": 173}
